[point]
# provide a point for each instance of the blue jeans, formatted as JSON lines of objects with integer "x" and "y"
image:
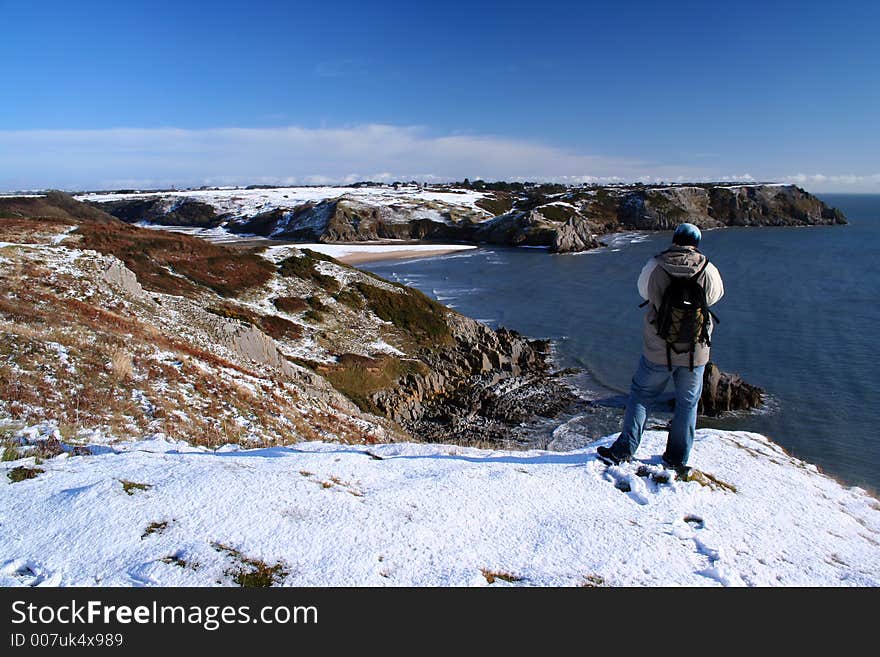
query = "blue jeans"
{"x": 648, "y": 383}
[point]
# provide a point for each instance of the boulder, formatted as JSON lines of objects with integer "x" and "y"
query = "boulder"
{"x": 573, "y": 236}
{"x": 724, "y": 392}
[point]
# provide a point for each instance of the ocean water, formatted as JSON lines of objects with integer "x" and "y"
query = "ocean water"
{"x": 800, "y": 318}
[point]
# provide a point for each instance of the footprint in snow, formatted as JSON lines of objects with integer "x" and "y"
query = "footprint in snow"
{"x": 627, "y": 482}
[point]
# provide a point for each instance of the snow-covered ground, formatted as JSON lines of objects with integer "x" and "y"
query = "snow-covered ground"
{"x": 248, "y": 202}
{"x": 414, "y": 514}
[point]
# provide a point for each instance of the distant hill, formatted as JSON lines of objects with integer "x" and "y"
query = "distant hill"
{"x": 564, "y": 219}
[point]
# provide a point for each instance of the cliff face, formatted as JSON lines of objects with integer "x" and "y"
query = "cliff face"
{"x": 164, "y": 332}
{"x": 565, "y": 221}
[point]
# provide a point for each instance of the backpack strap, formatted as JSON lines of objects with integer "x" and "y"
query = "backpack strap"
{"x": 701, "y": 269}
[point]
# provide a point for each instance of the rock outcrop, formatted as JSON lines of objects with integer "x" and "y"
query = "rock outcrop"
{"x": 564, "y": 221}
{"x": 165, "y": 212}
{"x": 723, "y": 392}
{"x": 573, "y": 237}
{"x": 278, "y": 347}
{"x": 481, "y": 387}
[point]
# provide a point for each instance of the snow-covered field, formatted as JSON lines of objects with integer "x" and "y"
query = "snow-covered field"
{"x": 413, "y": 514}
{"x": 248, "y": 202}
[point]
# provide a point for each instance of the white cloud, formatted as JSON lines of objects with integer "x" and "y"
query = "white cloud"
{"x": 161, "y": 157}
{"x": 820, "y": 182}
{"x": 136, "y": 157}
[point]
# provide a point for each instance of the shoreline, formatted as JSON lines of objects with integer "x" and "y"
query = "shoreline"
{"x": 354, "y": 254}
{"x": 349, "y": 253}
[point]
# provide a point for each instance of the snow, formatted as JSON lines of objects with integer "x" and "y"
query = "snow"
{"x": 420, "y": 514}
{"x": 218, "y": 235}
{"x": 60, "y": 237}
{"x": 248, "y": 202}
{"x": 380, "y": 346}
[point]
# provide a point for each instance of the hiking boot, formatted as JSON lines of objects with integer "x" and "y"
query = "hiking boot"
{"x": 682, "y": 472}
{"x": 607, "y": 455}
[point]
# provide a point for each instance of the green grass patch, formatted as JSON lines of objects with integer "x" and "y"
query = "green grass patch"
{"x": 497, "y": 204}
{"x": 22, "y": 472}
{"x": 350, "y": 298}
{"x": 304, "y": 267}
{"x": 411, "y": 311}
{"x": 553, "y": 212}
{"x": 252, "y": 573}
{"x": 10, "y": 453}
{"x": 315, "y": 303}
{"x": 359, "y": 377}
{"x": 131, "y": 486}
{"x": 315, "y": 255}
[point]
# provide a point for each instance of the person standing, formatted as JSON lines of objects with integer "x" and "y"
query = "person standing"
{"x": 678, "y": 286}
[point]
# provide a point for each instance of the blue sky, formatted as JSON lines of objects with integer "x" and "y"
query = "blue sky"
{"x": 104, "y": 94}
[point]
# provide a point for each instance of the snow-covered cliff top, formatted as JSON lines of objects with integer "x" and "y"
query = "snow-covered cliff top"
{"x": 248, "y": 202}
{"x": 412, "y": 514}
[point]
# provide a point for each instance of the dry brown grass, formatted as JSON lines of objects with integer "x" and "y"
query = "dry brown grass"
{"x": 148, "y": 253}
{"x": 186, "y": 390}
{"x": 493, "y": 575}
{"x": 121, "y": 365}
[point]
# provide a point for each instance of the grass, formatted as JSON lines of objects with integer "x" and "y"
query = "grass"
{"x": 710, "y": 480}
{"x": 180, "y": 562}
{"x": 290, "y": 305}
{"x": 10, "y": 453}
{"x": 131, "y": 486}
{"x": 411, "y": 311}
{"x": 155, "y": 528}
{"x": 593, "y": 581}
{"x": 350, "y": 298}
{"x": 315, "y": 303}
{"x": 359, "y": 377}
{"x": 176, "y": 264}
{"x": 560, "y": 213}
{"x": 121, "y": 365}
{"x": 303, "y": 267}
{"x": 252, "y": 573}
{"x": 493, "y": 575}
{"x": 230, "y": 312}
{"x": 272, "y": 325}
{"x": 497, "y": 204}
{"x": 23, "y": 472}
{"x": 189, "y": 391}
{"x": 278, "y": 328}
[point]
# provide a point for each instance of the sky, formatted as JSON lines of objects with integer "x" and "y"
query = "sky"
{"x": 102, "y": 95}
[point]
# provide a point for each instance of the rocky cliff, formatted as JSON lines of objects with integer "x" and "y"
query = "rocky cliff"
{"x": 564, "y": 219}
{"x": 124, "y": 329}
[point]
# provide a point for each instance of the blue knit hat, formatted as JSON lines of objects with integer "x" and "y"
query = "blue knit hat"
{"x": 687, "y": 235}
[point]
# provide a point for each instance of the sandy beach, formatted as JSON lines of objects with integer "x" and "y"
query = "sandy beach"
{"x": 354, "y": 254}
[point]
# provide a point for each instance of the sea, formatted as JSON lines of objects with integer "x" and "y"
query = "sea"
{"x": 800, "y": 318}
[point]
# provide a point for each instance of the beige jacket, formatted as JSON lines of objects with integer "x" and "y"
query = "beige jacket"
{"x": 676, "y": 261}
